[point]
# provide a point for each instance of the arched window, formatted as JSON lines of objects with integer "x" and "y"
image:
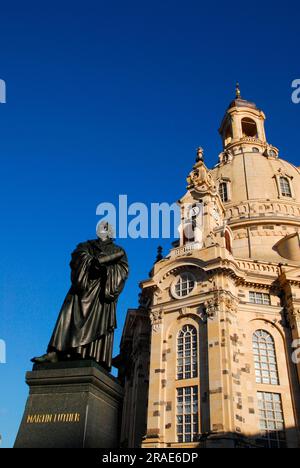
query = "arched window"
{"x": 249, "y": 128}
{"x": 265, "y": 363}
{"x": 223, "y": 191}
{"x": 285, "y": 187}
{"x": 187, "y": 358}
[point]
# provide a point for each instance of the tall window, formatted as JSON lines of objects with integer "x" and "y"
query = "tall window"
{"x": 259, "y": 298}
{"x": 187, "y": 353}
{"x": 187, "y": 414}
{"x": 285, "y": 187}
{"x": 271, "y": 420}
{"x": 223, "y": 191}
{"x": 265, "y": 363}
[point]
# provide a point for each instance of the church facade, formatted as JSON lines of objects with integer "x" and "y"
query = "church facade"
{"x": 207, "y": 357}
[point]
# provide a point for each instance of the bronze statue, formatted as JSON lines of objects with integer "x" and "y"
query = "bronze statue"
{"x": 87, "y": 320}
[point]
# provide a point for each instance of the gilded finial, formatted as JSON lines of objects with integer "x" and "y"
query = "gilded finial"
{"x": 238, "y": 91}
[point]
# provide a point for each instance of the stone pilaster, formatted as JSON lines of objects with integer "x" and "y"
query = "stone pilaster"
{"x": 155, "y": 417}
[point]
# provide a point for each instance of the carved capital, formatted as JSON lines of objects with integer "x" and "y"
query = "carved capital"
{"x": 221, "y": 300}
{"x": 293, "y": 315}
{"x": 229, "y": 303}
{"x": 156, "y": 319}
{"x": 211, "y": 308}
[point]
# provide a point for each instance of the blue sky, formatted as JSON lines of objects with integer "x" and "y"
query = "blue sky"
{"x": 109, "y": 98}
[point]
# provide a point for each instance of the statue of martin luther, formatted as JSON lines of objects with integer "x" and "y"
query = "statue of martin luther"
{"x": 87, "y": 320}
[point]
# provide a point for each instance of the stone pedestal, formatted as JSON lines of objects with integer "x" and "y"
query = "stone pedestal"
{"x": 71, "y": 405}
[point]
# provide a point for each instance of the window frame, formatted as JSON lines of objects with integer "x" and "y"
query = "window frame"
{"x": 182, "y": 416}
{"x": 187, "y": 362}
{"x": 265, "y": 298}
{"x": 222, "y": 192}
{"x": 285, "y": 187}
{"x": 265, "y": 358}
{"x": 269, "y": 406}
{"x": 179, "y": 277}
{"x": 281, "y": 175}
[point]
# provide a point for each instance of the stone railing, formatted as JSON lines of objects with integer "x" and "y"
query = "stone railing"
{"x": 184, "y": 250}
{"x": 248, "y": 139}
{"x": 257, "y": 266}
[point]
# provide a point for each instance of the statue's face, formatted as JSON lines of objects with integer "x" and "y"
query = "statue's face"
{"x": 104, "y": 231}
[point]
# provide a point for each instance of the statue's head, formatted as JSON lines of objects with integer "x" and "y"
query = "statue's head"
{"x": 105, "y": 231}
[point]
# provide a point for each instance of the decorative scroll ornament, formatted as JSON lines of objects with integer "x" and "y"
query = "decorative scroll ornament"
{"x": 200, "y": 178}
{"x": 211, "y": 239}
{"x": 297, "y": 314}
{"x": 293, "y": 315}
{"x": 229, "y": 303}
{"x": 226, "y": 157}
{"x": 213, "y": 305}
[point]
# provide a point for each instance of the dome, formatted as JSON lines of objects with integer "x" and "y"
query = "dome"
{"x": 262, "y": 202}
{"x": 253, "y": 177}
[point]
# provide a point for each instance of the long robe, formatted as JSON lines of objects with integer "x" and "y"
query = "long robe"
{"x": 87, "y": 319}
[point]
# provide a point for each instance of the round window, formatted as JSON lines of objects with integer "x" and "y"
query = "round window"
{"x": 255, "y": 150}
{"x": 183, "y": 285}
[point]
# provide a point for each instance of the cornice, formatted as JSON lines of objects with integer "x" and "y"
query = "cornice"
{"x": 253, "y": 220}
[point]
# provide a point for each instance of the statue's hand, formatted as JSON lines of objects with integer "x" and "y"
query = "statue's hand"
{"x": 100, "y": 260}
{"x": 112, "y": 258}
{"x": 111, "y": 297}
{"x": 97, "y": 269}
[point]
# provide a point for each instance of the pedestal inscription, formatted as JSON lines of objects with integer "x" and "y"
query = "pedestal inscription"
{"x": 71, "y": 405}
